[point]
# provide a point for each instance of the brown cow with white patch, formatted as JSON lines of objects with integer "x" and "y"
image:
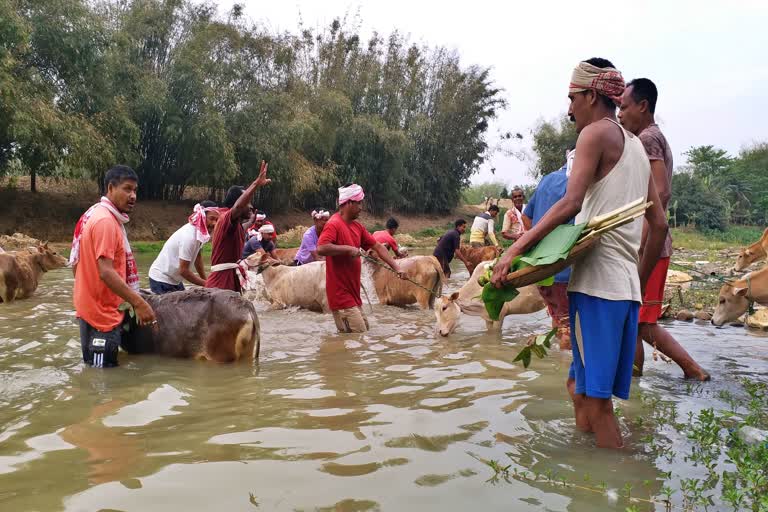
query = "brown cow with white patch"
{"x": 734, "y": 298}
{"x": 476, "y": 255}
{"x": 198, "y": 323}
{"x": 20, "y": 271}
{"x": 755, "y": 252}
{"x": 393, "y": 291}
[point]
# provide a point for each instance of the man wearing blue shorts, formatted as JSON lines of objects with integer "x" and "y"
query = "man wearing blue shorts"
{"x": 610, "y": 169}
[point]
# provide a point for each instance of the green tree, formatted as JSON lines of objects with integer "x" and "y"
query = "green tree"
{"x": 551, "y": 139}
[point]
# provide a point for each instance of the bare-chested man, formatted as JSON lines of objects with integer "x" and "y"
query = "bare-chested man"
{"x": 605, "y": 291}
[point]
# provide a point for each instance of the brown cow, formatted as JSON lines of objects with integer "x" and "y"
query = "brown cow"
{"x": 734, "y": 298}
{"x": 199, "y": 323}
{"x": 476, "y": 255}
{"x": 392, "y": 290}
{"x": 286, "y": 256}
{"x": 755, "y": 252}
{"x": 20, "y": 271}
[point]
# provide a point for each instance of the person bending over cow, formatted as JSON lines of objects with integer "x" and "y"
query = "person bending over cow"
{"x": 105, "y": 270}
{"x": 308, "y": 251}
{"x": 340, "y": 243}
{"x": 229, "y": 236}
{"x": 386, "y": 237}
{"x": 263, "y": 242}
{"x": 172, "y": 265}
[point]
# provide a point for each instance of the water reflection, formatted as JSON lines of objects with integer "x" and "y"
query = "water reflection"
{"x": 390, "y": 420}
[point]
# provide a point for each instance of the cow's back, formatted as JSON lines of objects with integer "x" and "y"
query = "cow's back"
{"x": 200, "y": 323}
{"x": 302, "y": 286}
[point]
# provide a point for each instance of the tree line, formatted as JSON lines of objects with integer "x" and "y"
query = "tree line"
{"x": 189, "y": 97}
{"x": 712, "y": 190}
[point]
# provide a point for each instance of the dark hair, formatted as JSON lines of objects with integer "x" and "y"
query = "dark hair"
{"x": 208, "y": 204}
{"x": 644, "y": 89}
{"x": 493, "y": 208}
{"x": 233, "y": 194}
{"x": 118, "y": 174}
{"x": 602, "y": 63}
{"x": 459, "y": 223}
{"x": 392, "y": 223}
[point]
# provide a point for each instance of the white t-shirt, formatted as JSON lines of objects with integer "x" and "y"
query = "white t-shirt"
{"x": 183, "y": 245}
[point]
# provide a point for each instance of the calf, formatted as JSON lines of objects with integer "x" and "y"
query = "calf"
{"x": 302, "y": 286}
{"x": 735, "y": 297}
{"x": 199, "y": 323}
{"x": 755, "y": 252}
{"x": 476, "y": 255}
{"x": 448, "y": 309}
{"x": 20, "y": 271}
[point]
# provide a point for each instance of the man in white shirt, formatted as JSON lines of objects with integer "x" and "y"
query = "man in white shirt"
{"x": 172, "y": 265}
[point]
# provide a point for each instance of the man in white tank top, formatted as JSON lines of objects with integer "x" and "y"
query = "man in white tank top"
{"x": 610, "y": 170}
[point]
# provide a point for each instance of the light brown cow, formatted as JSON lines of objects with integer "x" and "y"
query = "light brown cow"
{"x": 448, "y": 309}
{"x": 393, "y": 291}
{"x": 199, "y": 323}
{"x": 287, "y": 256}
{"x": 20, "y": 271}
{"x": 734, "y": 298}
{"x": 475, "y": 255}
{"x": 755, "y": 252}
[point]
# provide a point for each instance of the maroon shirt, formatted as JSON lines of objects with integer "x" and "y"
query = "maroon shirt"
{"x": 342, "y": 273}
{"x": 226, "y": 246}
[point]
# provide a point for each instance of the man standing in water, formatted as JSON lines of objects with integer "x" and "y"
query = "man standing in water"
{"x": 105, "y": 270}
{"x": 605, "y": 291}
{"x": 514, "y": 226}
{"x": 340, "y": 243}
{"x": 448, "y": 246}
{"x": 229, "y": 236}
{"x": 307, "y": 252}
{"x": 483, "y": 230}
{"x": 638, "y": 105}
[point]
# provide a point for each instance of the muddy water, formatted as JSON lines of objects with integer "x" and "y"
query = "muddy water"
{"x": 389, "y": 420}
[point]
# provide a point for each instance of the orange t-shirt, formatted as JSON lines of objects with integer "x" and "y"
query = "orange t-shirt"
{"x": 94, "y": 301}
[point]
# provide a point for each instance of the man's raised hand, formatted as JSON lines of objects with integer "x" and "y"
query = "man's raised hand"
{"x": 262, "y": 180}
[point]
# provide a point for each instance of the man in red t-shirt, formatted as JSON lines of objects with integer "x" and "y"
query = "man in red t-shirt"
{"x": 340, "y": 242}
{"x": 229, "y": 236}
{"x": 386, "y": 237}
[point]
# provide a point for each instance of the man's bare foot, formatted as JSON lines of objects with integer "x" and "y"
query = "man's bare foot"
{"x": 701, "y": 375}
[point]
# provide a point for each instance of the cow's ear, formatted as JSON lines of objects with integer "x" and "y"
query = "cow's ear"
{"x": 41, "y": 248}
{"x": 740, "y": 292}
{"x": 747, "y": 252}
{"x": 454, "y": 296}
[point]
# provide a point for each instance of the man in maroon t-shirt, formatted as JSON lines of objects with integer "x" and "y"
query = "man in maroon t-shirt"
{"x": 340, "y": 242}
{"x": 229, "y": 235}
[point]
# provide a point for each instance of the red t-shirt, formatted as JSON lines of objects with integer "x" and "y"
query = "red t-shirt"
{"x": 226, "y": 246}
{"x": 342, "y": 273}
{"x": 383, "y": 237}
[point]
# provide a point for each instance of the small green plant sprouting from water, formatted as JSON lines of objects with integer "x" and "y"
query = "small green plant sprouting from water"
{"x": 729, "y": 471}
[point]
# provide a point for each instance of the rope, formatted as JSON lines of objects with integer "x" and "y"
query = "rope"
{"x": 404, "y": 277}
{"x": 697, "y": 271}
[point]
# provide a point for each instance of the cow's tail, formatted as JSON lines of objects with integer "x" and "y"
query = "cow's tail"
{"x": 437, "y": 285}
{"x": 249, "y": 336}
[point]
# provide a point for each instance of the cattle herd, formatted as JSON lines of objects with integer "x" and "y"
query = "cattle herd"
{"x": 223, "y": 326}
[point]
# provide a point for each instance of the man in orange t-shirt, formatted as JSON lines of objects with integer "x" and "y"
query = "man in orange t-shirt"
{"x": 386, "y": 237}
{"x": 104, "y": 267}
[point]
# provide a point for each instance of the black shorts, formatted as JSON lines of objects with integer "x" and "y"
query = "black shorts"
{"x": 159, "y": 288}
{"x": 100, "y": 348}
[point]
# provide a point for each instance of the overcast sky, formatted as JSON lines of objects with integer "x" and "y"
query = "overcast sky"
{"x": 708, "y": 59}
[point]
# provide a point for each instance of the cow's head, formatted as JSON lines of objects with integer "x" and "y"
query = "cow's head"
{"x": 49, "y": 258}
{"x": 447, "y": 313}
{"x": 260, "y": 261}
{"x": 731, "y": 304}
{"x": 745, "y": 258}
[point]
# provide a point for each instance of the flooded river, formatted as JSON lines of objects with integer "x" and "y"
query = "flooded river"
{"x": 391, "y": 420}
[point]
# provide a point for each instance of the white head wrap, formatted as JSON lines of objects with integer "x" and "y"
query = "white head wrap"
{"x": 351, "y": 193}
{"x": 260, "y": 216}
{"x": 267, "y": 228}
{"x": 321, "y": 214}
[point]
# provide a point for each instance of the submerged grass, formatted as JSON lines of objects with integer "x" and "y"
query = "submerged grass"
{"x": 732, "y": 473}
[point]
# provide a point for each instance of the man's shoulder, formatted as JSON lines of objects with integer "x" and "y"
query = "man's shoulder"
{"x": 103, "y": 219}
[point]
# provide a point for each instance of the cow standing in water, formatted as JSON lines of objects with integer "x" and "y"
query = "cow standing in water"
{"x": 200, "y": 323}
{"x": 393, "y": 291}
{"x": 20, "y": 271}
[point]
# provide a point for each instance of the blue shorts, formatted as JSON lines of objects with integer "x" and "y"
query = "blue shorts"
{"x": 160, "y": 288}
{"x": 604, "y": 333}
